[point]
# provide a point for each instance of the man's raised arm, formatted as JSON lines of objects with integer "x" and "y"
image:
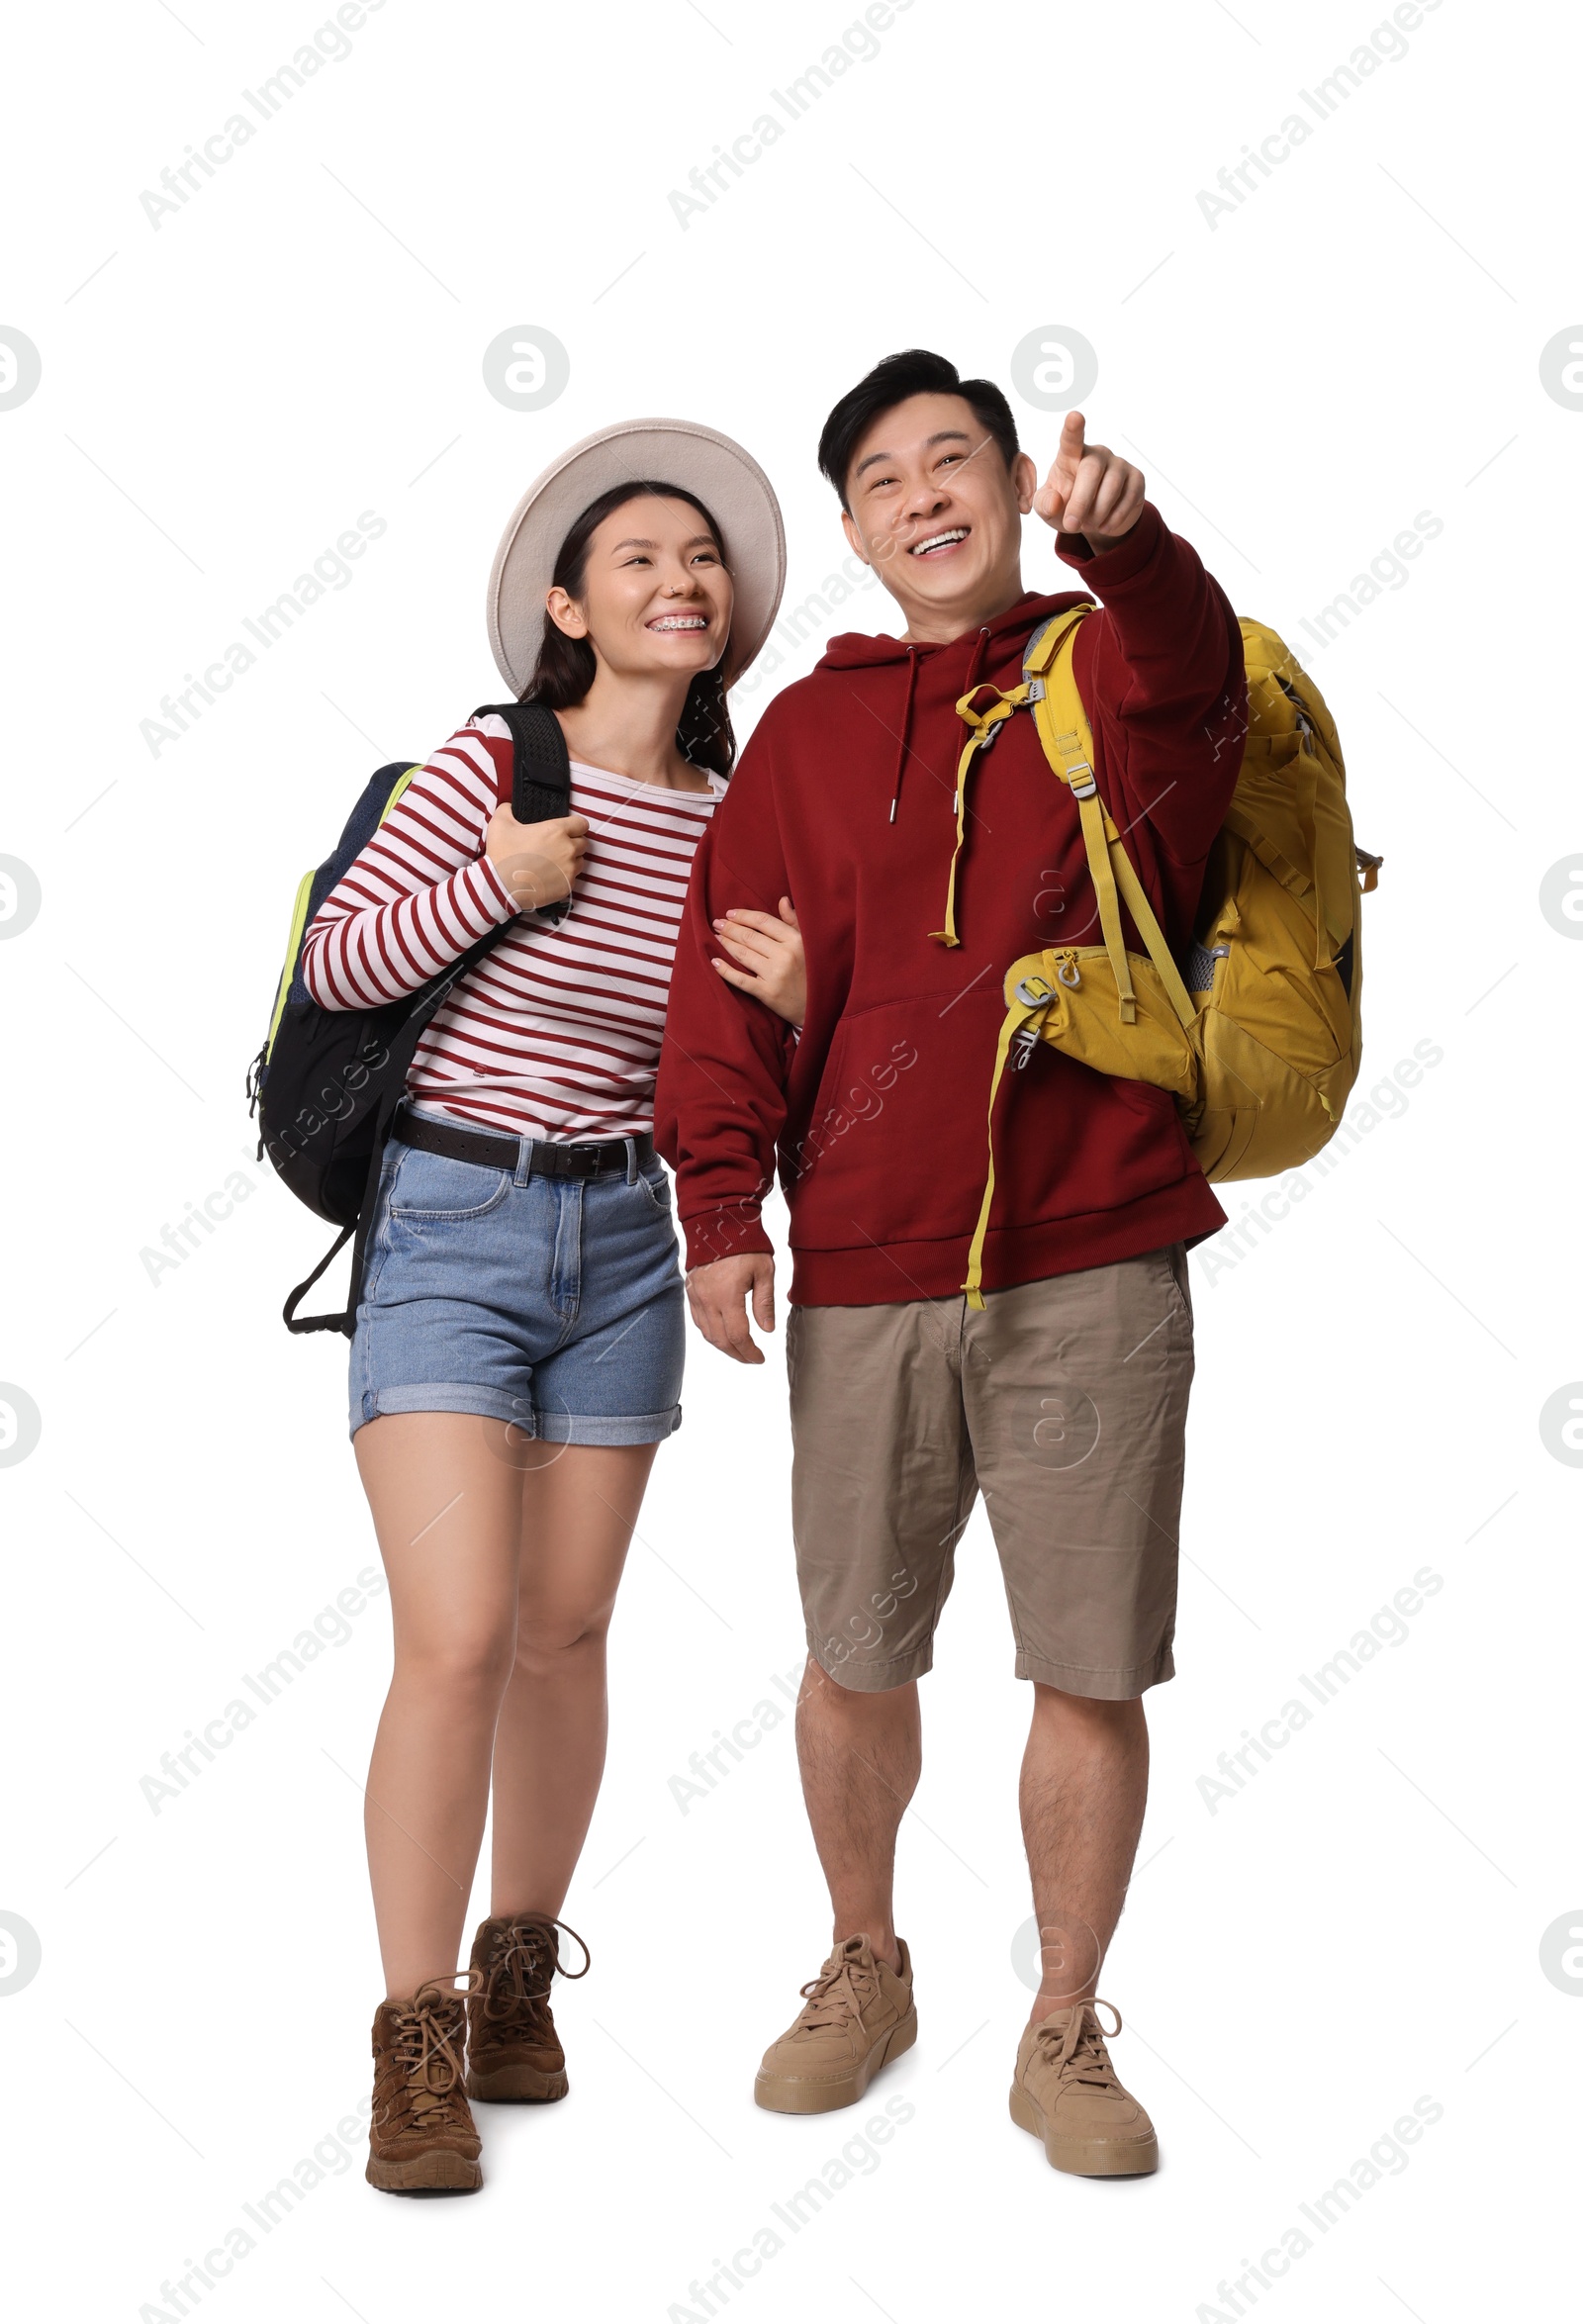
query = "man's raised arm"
{"x": 1160, "y": 669}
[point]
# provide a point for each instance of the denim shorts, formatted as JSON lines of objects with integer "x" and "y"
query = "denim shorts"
{"x": 555, "y": 1304}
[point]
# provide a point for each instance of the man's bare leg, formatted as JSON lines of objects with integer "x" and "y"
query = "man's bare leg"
{"x": 1084, "y": 1783}
{"x": 859, "y": 1756}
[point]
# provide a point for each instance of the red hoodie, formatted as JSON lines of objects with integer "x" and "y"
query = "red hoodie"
{"x": 845, "y": 801}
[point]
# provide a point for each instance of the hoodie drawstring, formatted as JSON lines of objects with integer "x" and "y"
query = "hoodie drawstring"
{"x": 906, "y": 728}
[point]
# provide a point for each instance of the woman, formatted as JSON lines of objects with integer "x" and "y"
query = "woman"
{"x": 517, "y": 1357}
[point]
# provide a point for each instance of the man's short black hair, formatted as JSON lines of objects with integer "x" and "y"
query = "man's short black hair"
{"x": 914, "y": 372}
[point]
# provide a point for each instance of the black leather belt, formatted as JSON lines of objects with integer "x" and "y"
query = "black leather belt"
{"x": 495, "y": 1151}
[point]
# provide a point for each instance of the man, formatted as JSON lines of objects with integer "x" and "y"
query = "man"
{"x": 1063, "y": 1399}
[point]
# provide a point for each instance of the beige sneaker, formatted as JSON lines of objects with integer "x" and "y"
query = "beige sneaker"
{"x": 858, "y": 2016}
{"x": 1065, "y": 2091}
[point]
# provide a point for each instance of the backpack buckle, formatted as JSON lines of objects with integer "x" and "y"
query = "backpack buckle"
{"x": 1087, "y": 786}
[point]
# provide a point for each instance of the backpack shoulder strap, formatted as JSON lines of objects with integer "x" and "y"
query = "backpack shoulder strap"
{"x": 1069, "y": 745}
{"x": 1046, "y": 643}
{"x": 541, "y": 771}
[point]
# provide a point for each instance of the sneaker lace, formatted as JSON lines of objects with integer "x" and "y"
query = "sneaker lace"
{"x": 524, "y": 1959}
{"x": 1078, "y": 2050}
{"x": 425, "y": 2049}
{"x": 838, "y": 1993}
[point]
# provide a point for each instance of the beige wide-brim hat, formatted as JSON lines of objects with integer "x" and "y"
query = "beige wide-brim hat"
{"x": 726, "y": 479}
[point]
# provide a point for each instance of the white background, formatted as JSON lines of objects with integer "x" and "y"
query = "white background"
{"x": 221, "y": 396}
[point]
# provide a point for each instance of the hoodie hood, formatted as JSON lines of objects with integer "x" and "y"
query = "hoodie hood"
{"x": 975, "y": 657}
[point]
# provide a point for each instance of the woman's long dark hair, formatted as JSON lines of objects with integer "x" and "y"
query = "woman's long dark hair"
{"x": 565, "y": 668}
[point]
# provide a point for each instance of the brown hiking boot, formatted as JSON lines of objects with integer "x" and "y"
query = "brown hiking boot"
{"x": 1065, "y": 2091}
{"x": 513, "y": 2055}
{"x": 858, "y": 2016}
{"x": 421, "y": 2140}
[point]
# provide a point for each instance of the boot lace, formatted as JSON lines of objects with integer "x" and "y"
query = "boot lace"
{"x": 1076, "y": 2050}
{"x": 524, "y": 1959}
{"x": 425, "y": 2055}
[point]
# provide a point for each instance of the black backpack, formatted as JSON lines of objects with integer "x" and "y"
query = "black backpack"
{"x": 326, "y": 1082}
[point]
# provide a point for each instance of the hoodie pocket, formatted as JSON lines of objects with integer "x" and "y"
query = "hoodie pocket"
{"x": 871, "y": 1165}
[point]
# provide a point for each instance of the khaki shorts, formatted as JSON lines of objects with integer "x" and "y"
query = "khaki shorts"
{"x": 1065, "y": 1402}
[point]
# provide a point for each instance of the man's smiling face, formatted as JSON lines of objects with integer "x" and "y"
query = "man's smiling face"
{"x": 933, "y": 508}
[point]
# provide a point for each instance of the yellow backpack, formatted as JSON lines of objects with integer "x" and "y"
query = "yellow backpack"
{"x": 1259, "y": 1041}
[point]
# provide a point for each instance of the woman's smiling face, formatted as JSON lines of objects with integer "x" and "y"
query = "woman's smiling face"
{"x": 656, "y": 594}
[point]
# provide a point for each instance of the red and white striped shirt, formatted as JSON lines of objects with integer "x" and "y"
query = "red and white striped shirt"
{"x": 556, "y": 1033}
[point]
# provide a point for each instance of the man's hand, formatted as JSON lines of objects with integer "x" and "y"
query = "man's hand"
{"x": 1089, "y": 490}
{"x": 538, "y": 863}
{"x": 717, "y": 1296}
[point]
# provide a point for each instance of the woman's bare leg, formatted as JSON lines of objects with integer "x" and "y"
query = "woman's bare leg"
{"x": 580, "y": 1503}
{"x": 447, "y": 1506}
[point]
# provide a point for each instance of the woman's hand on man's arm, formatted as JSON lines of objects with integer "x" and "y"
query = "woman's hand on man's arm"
{"x": 770, "y": 960}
